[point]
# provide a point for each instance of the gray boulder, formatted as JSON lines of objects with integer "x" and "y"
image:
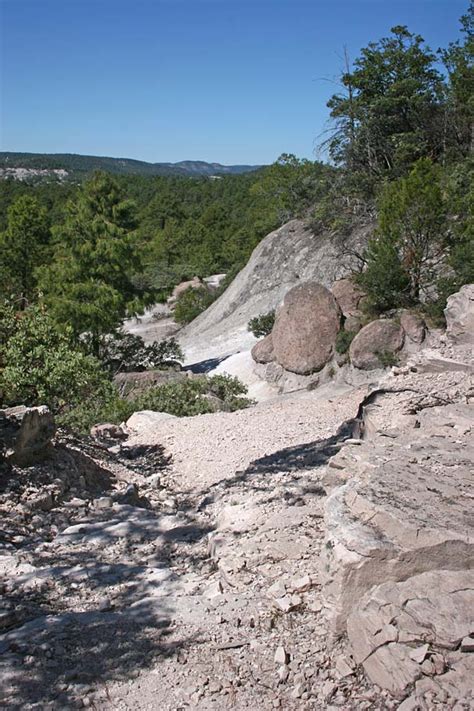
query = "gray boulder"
{"x": 459, "y": 314}
{"x": 305, "y": 330}
{"x": 132, "y": 384}
{"x": 378, "y": 337}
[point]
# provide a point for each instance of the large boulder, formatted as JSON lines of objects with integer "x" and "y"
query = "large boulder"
{"x": 459, "y": 314}
{"x": 414, "y": 326}
{"x": 305, "y": 330}
{"x": 263, "y": 351}
{"x": 349, "y": 296}
{"x": 375, "y": 339}
{"x": 27, "y": 433}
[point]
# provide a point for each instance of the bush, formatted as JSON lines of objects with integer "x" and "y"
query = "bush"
{"x": 387, "y": 358}
{"x": 191, "y": 303}
{"x": 344, "y": 340}
{"x": 186, "y": 398}
{"x": 39, "y": 364}
{"x": 125, "y": 352}
{"x": 262, "y": 325}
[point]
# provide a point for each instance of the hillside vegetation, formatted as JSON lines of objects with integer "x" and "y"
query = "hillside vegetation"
{"x": 86, "y": 255}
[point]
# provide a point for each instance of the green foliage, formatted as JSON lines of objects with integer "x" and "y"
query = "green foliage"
{"x": 190, "y": 303}
{"x": 87, "y": 284}
{"x": 344, "y": 340}
{"x": 390, "y": 112}
{"x": 262, "y": 325}
{"x": 124, "y": 352}
{"x": 40, "y": 366}
{"x": 410, "y": 242}
{"x": 23, "y": 247}
{"x": 387, "y": 359}
{"x": 188, "y": 397}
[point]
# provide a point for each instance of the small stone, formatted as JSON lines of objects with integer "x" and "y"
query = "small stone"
{"x": 419, "y": 654}
{"x": 278, "y": 589}
{"x": 428, "y": 667}
{"x": 281, "y": 656}
{"x": 214, "y": 590}
{"x": 343, "y": 667}
{"x": 302, "y": 584}
{"x": 467, "y": 644}
{"x": 284, "y": 604}
{"x": 283, "y": 673}
{"x": 298, "y": 691}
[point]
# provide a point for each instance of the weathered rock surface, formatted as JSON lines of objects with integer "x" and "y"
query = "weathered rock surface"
{"x": 348, "y": 296}
{"x": 459, "y": 314}
{"x": 305, "y": 330}
{"x": 404, "y": 510}
{"x": 27, "y": 433}
{"x": 410, "y": 630}
{"x": 286, "y": 257}
{"x": 376, "y": 338}
{"x": 262, "y": 351}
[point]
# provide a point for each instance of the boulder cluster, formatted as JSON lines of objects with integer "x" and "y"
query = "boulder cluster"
{"x": 308, "y": 324}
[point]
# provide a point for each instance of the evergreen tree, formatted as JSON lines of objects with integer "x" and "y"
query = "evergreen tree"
{"x": 391, "y": 111}
{"x": 23, "y": 247}
{"x": 87, "y": 285}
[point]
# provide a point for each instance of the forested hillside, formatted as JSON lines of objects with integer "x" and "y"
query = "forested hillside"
{"x": 78, "y": 166}
{"x": 76, "y": 258}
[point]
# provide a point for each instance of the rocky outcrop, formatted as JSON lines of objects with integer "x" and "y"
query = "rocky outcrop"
{"x": 459, "y": 314}
{"x": 146, "y": 421}
{"x": 183, "y": 286}
{"x": 26, "y": 433}
{"x": 377, "y": 338}
{"x": 305, "y": 330}
{"x": 286, "y": 257}
{"x": 262, "y": 351}
{"x": 404, "y": 509}
{"x": 417, "y": 632}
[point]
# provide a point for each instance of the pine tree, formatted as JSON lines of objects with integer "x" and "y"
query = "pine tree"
{"x": 23, "y": 247}
{"x": 88, "y": 283}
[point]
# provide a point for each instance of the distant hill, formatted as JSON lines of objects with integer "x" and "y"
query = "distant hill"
{"x": 69, "y": 165}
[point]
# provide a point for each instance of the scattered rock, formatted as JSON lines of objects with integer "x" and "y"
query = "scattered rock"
{"x": 27, "y": 433}
{"x": 281, "y": 656}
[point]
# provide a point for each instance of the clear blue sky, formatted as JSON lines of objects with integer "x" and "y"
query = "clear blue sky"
{"x": 234, "y": 81}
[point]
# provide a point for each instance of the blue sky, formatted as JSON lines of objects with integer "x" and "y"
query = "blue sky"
{"x": 234, "y": 81}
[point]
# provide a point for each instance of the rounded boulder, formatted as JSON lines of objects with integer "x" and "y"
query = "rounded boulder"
{"x": 305, "y": 330}
{"x": 377, "y": 338}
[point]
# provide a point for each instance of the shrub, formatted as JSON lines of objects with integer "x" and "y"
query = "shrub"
{"x": 191, "y": 303}
{"x": 387, "y": 358}
{"x": 39, "y": 364}
{"x": 186, "y": 398}
{"x": 262, "y": 325}
{"x": 344, "y": 340}
{"x": 125, "y": 352}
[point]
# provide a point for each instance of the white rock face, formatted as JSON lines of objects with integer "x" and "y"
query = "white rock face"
{"x": 459, "y": 314}
{"x": 282, "y": 260}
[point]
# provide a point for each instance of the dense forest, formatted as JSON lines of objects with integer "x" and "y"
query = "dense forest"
{"x": 76, "y": 257}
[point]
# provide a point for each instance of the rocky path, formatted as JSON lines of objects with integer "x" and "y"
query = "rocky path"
{"x": 199, "y": 591}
